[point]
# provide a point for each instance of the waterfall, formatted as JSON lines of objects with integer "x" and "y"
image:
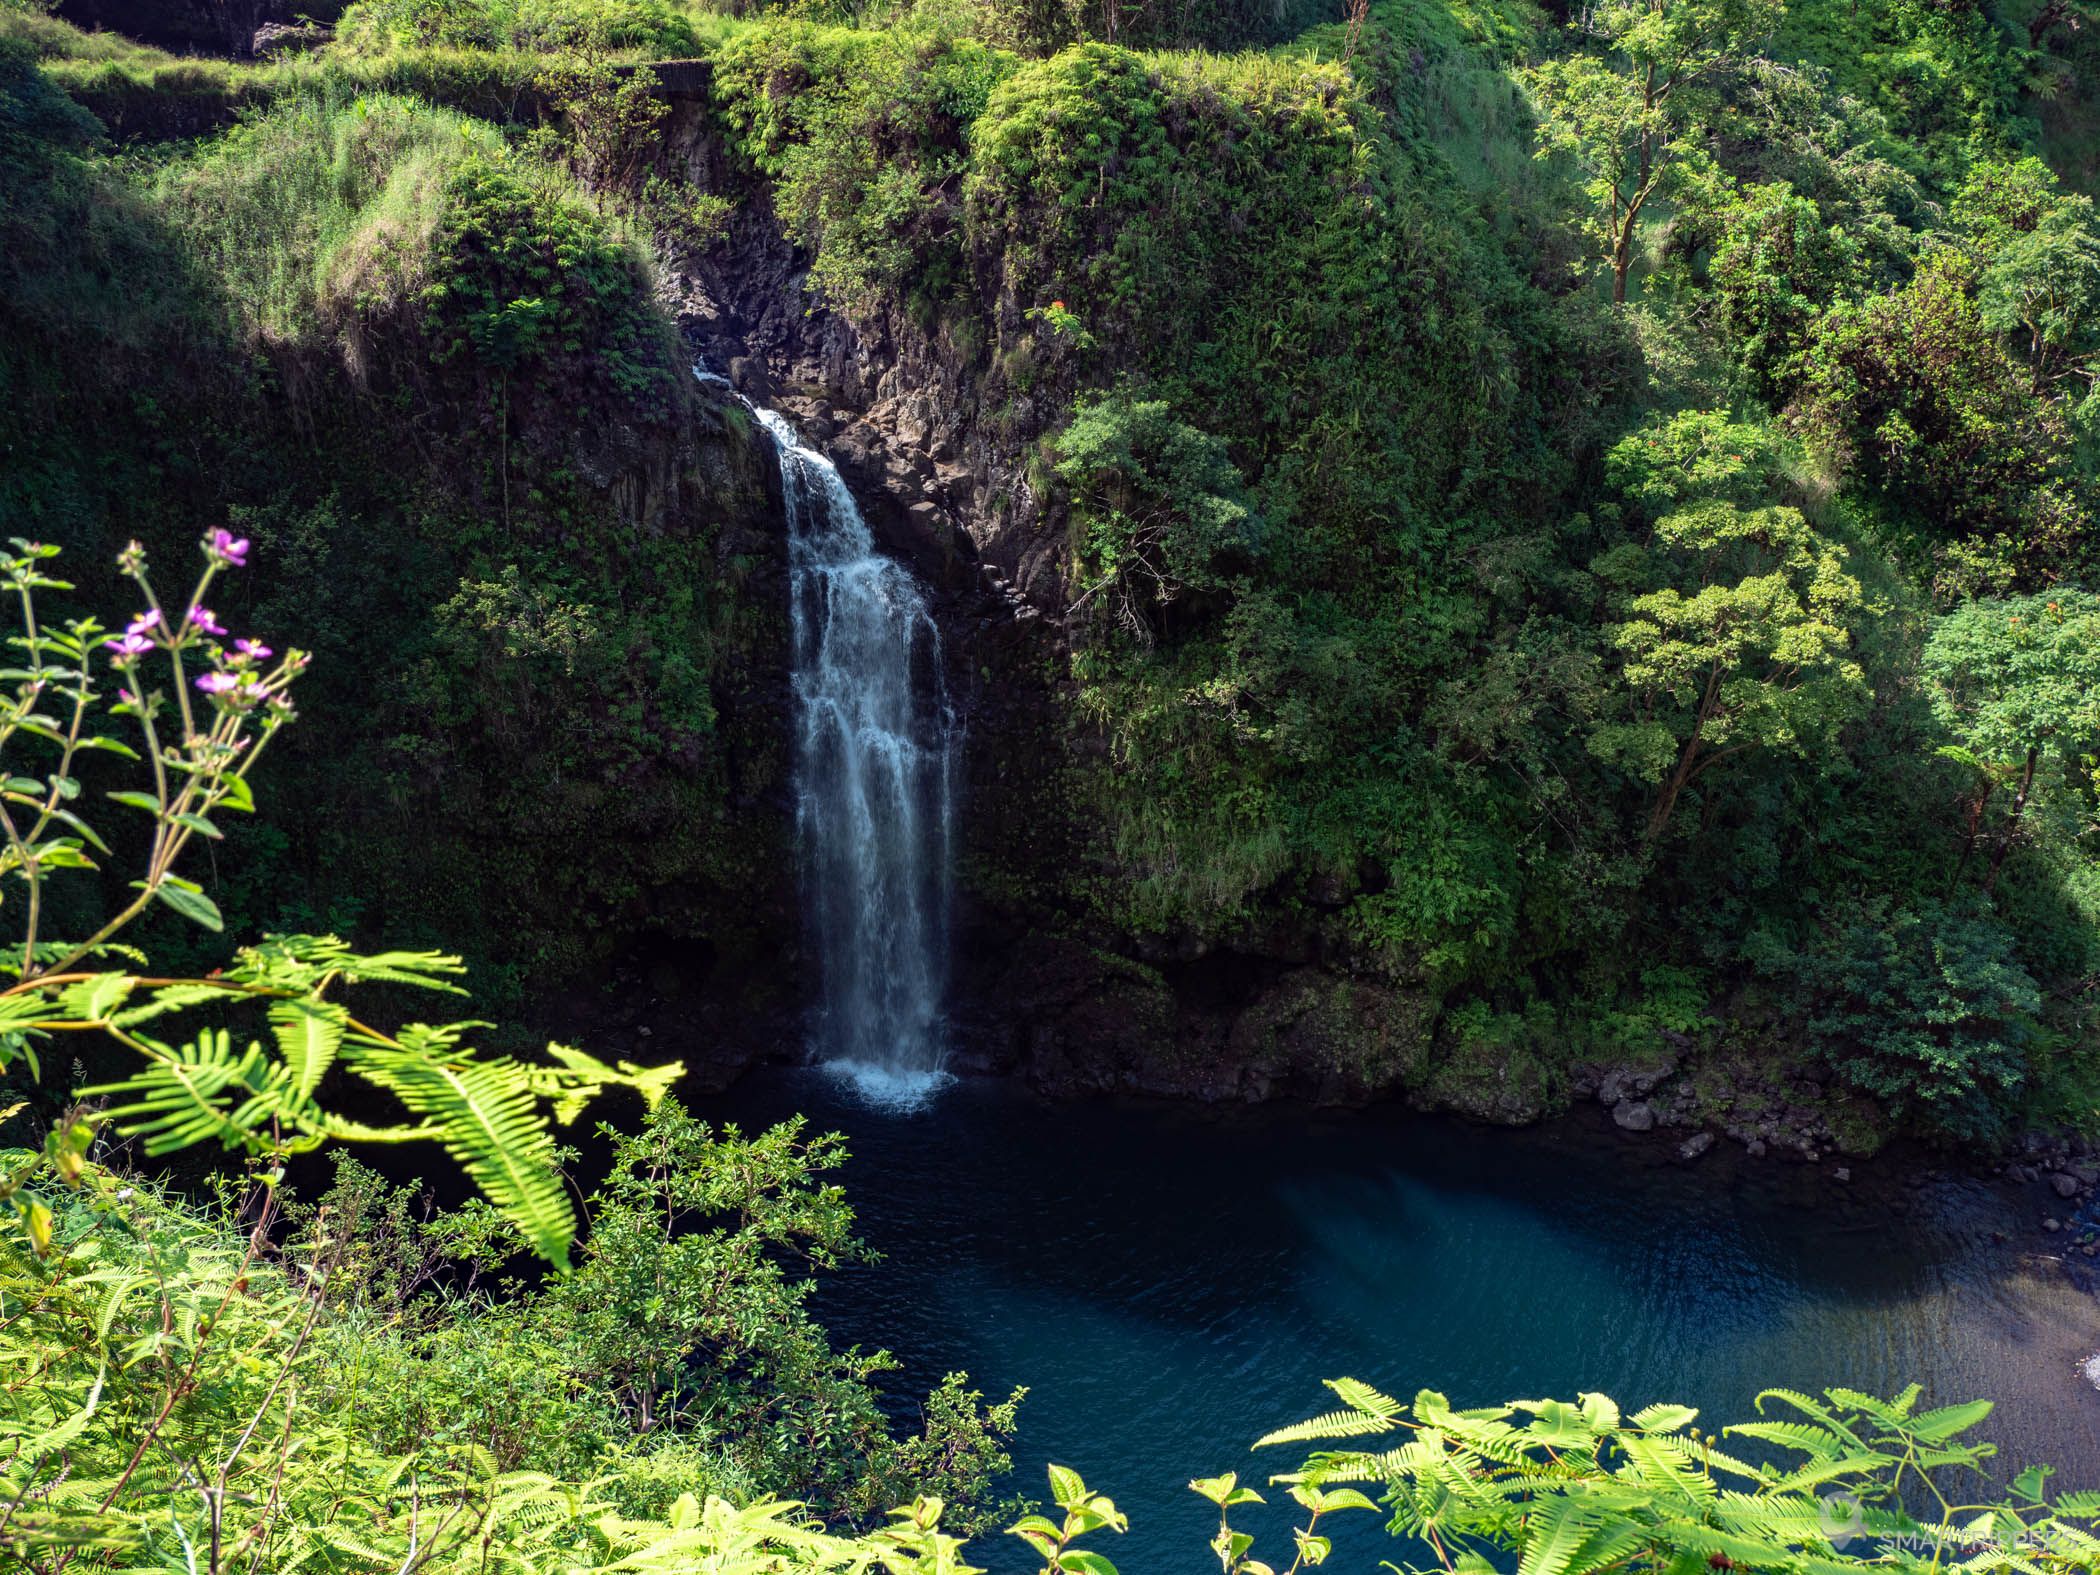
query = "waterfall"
{"x": 875, "y": 768}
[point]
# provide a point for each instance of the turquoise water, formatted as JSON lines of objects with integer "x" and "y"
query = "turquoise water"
{"x": 1172, "y": 1282}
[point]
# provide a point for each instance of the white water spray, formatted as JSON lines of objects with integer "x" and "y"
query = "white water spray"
{"x": 875, "y": 779}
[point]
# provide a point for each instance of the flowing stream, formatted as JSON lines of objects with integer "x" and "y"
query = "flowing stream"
{"x": 875, "y": 767}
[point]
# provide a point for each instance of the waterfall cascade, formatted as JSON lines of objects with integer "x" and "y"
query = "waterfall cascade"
{"x": 875, "y": 782}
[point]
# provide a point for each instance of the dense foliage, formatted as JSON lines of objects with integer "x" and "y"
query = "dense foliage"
{"x": 1578, "y": 519}
{"x": 1536, "y": 488}
{"x": 1541, "y": 629}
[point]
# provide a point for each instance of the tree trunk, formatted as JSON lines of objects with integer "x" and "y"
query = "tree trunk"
{"x": 1977, "y": 806}
{"x": 2012, "y": 823}
{"x": 1673, "y": 785}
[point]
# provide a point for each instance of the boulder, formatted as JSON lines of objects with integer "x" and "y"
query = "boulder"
{"x": 1694, "y": 1146}
{"x": 1635, "y": 1116}
{"x": 2064, "y": 1186}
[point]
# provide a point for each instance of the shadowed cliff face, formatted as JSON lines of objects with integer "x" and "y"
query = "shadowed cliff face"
{"x": 195, "y": 27}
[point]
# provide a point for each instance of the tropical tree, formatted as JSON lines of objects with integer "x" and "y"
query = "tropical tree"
{"x": 2038, "y": 251}
{"x": 1776, "y": 267}
{"x": 1919, "y": 389}
{"x": 1734, "y": 637}
{"x": 2016, "y": 680}
{"x": 1630, "y": 116}
{"x": 1159, "y": 511}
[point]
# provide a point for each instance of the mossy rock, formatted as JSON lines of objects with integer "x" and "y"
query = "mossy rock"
{"x": 1343, "y": 1038}
{"x": 1509, "y": 1085}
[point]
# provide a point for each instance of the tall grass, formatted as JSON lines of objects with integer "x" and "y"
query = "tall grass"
{"x": 645, "y": 27}
{"x": 319, "y": 207}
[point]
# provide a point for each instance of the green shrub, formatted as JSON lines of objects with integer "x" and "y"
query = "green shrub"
{"x": 1159, "y": 510}
{"x": 1927, "y": 1008}
{"x": 649, "y": 27}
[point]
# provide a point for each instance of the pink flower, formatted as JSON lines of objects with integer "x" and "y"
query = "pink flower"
{"x": 129, "y": 648}
{"x": 143, "y": 622}
{"x": 217, "y": 683}
{"x": 227, "y": 548}
{"x": 253, "y": 650}
{"x": 203, "y": 619}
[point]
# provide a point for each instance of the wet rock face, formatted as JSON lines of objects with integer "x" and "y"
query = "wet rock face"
{"x": 1077, "y": 1019}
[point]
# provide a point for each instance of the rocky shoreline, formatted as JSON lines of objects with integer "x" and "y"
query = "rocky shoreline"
{"x": 1688, "y": 1103}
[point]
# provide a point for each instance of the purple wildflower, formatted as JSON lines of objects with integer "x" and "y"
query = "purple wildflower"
{"x": 217, "y": 683}
{"x": 253, "y": 650}
{"x": 143, "y": 622}
{"x": 129, "y": 648}
{"x": 203, "y": 619}
{"x": 227, "y": 548}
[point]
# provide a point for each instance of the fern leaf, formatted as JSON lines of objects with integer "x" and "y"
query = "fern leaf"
{"x": 1816, "y": 1442}
{"x": 181, "y": 1097}
{"x": 488, "y": 1119}
{"x": 1554, "y": 1536}
{"x": 309, "y": 1033}
{"x": 73, "y": 1426}
{"x": 1937, "y": 1427}
{"x": 1331, "y": 1424}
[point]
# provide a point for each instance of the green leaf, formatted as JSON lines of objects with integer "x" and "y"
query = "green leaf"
{"x": 1066, "y": 1487}
{"x": 1083, "y": 1561}
{"x": 1936, "y": 1427}
{"x": 1559, "y": 1425}
{"x": 95, "y": 999}
{"x": 199, "y": 1092}
{"x": 145, "y": 801}
{"x": 1665, "y": 1418}
{"x": 81, "y": 826}
{"x": 62, "y": 853}
{"x": 1043, "y": 1544}
{"x": 1333, "y": 1499}
{"x": 235, "y": 794}
{"x": 191, "y": 904}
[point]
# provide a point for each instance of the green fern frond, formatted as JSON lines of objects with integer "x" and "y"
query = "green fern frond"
{"x": 1939, "y": 1426}
{"x": 1666, "y": 1466}
{"x": 1818, "y": 1443}
{"x": 1369, "y": 1412}
{"x": 309, "y": 1033}
{"x": 302, "y": 964}
{"x": 199, "y": 1092}
{"x": 487, "y": 1118}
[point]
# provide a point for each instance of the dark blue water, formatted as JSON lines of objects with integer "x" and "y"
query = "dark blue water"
{"x": 1170, "y": 1283}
